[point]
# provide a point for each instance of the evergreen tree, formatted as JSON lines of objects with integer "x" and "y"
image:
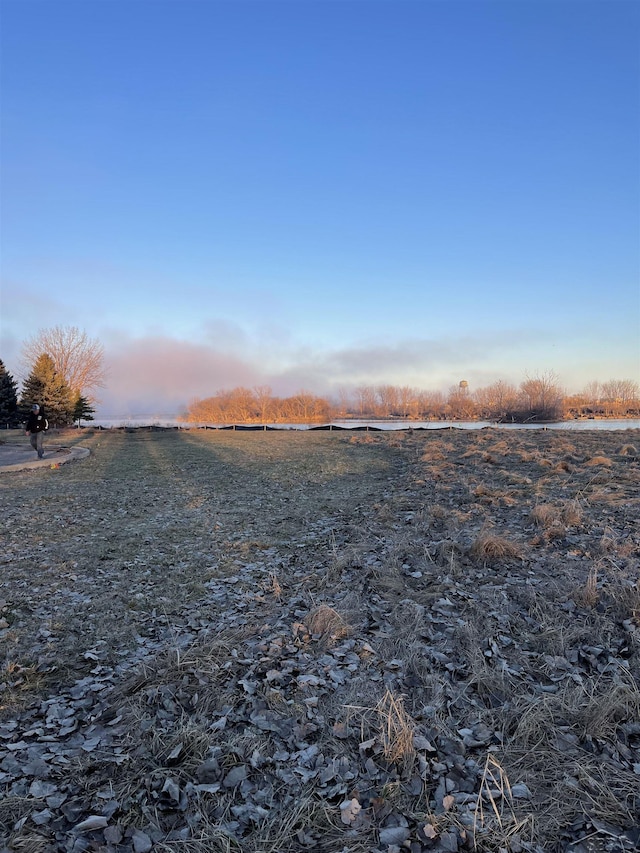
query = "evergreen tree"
{"x": 8, "y": 398}
{"x": 83, "y": 410}
{"x": 48, "y": 388}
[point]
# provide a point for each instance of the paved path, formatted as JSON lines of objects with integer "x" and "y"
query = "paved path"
{"x": 16, "y": 456}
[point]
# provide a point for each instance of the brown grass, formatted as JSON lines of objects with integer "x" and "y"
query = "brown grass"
{"x": 572, "y": 513}
{"x": 327, "y": 625}
{"x": 489, "y": 548}
{"x": 237, "y": 562}
{"x": 587, "y": 596}
{"x": 545, "y": 515}
{"x": 433, "y": 454}
{"x": 628, "y": 450}
{"x": 590, "y": 712}
{"x": 396, "y": 729}
{"x": 502, "y": 447}
{"x": 495, "y": 814}
{"x": 17, "y": 684}
{"x": 273, "y": 585}
{"x": 494, "y": 496}
{"x": 600, "y": 461}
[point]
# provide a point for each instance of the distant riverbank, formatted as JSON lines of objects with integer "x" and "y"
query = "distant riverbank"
{"x": 168, "y": 422}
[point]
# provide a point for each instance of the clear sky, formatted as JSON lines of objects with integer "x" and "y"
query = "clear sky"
{"x": 322, "y": 194}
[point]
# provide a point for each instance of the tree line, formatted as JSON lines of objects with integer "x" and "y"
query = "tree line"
{"x": 536, "y": 399}
{"x": 64, "y": 369}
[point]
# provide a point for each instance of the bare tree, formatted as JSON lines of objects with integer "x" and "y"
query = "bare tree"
{"x": 263, "y": 397}
{"x": 366, "y": 400}
{"x": 387, "y": 405}
{"x": 619, "y": 395}
{"x": 460, "y": 404}
{"x": 542, "y": 396}
{"x": 343, "y": 403}
{"x": 431, "y": 404}
{"x": 496, "y": 401}
{"x": 204, "y": 411}
{"x": 407, "y": 401}
{"x": 539, "y": 398}
{"x": 241, "y": 405}
{"x": 303, "y": 407}
{"x": 592, "y": 393}
{"x": 76, "y": 357}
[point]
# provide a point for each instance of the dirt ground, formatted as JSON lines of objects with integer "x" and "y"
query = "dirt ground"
{"x": 341, "y": 642}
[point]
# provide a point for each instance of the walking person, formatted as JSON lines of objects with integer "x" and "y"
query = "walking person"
{"x": 35, "y": 429}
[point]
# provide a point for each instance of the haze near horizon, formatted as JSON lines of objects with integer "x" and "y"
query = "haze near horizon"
{"x": 322, "y": 195}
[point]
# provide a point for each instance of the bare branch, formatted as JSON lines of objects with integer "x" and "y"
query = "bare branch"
{"x": 76, "y": 356}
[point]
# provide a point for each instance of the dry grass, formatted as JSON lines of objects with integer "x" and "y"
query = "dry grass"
{"x": 607, "y": 544}
{"x": 628, "y": 450}
{"x": 547, "y": 749}
{"x": 495, "y": 817}
{"x": 327, "y": 625}
{"x": 502, "y": 447}
{"x": 239, "y": 562}
{"x": 490, "y": 548}
{"x": 274, "y": 585}
{"x": 548, "y": 516}
{"x": 30, "y": 842}
{"x": 185, "y": 743}
{"x": 587, "y": 595}
{"x": 599, "y": 461}
{"x": 278, "y": 832}
{"x": 396, "y": 730}
{"x": 18, "y": 682}
{"x": 434, "y": 454}
{"x": 572, "y": 513}
{"x": 545, "y": 515}
{"x": 14, "y": 809}
{"x": 387, "y": 724}
{"x": 494, "y": 496}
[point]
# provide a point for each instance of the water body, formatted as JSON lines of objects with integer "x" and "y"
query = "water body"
{"x": 161, "y": 421}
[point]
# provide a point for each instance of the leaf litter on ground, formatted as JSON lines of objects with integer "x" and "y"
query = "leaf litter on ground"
{"x": 291, "y": 642}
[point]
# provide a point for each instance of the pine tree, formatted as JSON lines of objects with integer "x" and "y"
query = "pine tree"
{"x": 8, "y": 398}
{"x": 83, "y": 410}
{"x": 46, "y": 387}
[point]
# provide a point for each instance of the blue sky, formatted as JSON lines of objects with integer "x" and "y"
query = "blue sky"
{"x": 325, "y": 194}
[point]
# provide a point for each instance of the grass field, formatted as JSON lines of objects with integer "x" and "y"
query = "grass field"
{"x": 323, "y": 641}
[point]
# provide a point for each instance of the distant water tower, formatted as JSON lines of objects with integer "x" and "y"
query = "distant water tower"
{"x": 464, "y": 385}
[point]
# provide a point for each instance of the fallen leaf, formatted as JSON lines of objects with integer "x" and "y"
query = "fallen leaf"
{"x": 429, "y": 830}
{"x": 448, "y": 802}
{"x": 349, "y": 811}
{"x": 94, "y": 821}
